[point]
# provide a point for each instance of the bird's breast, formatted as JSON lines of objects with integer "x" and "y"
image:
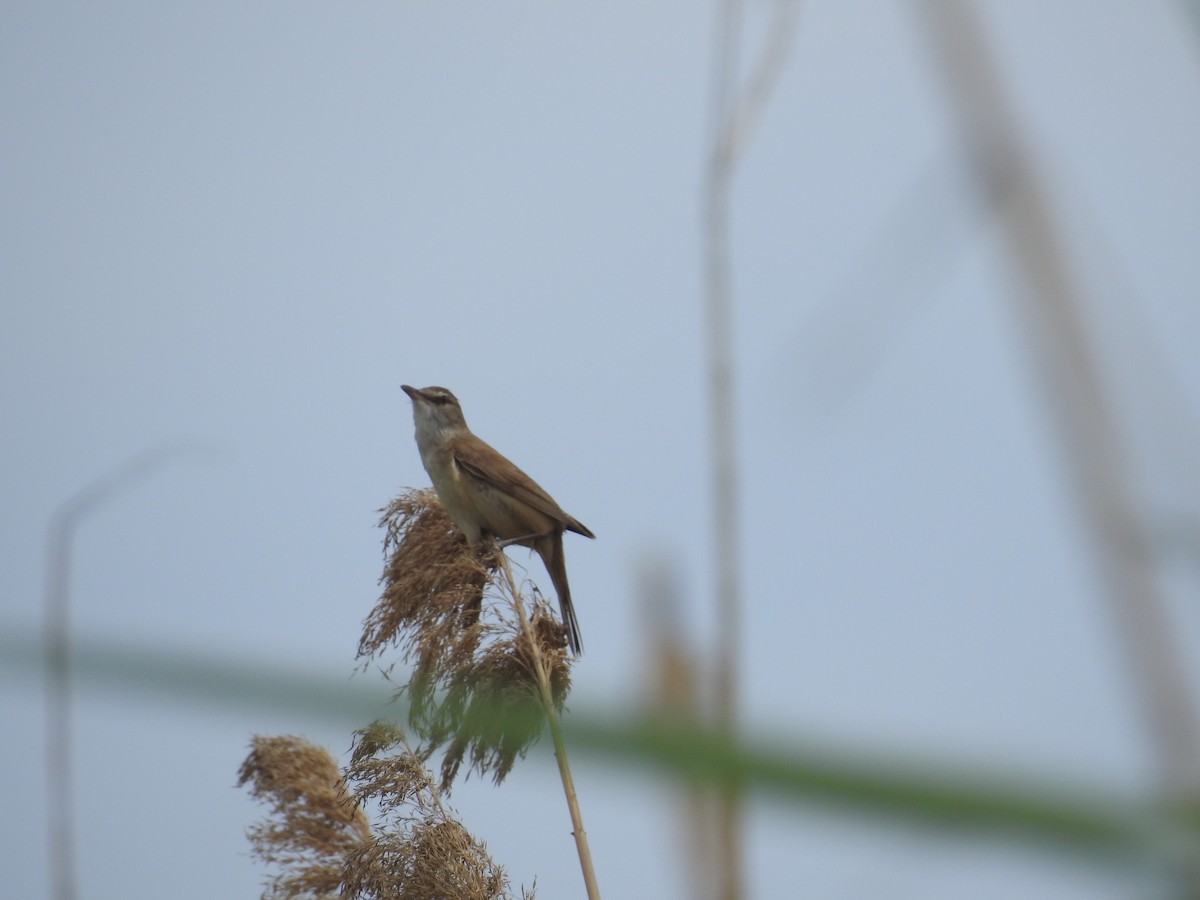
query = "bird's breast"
{"x": 453, "y": 490}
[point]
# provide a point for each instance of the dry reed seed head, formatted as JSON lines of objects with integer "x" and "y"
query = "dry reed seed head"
{"x": 384, "y": 768}
{"x": 378, "y": 737}
{"x": 493, "y": 710}
{"x": 313, "y": 826}
{"x": 292, "y": 773}
{"x": 551, "y": 636}
{"x": 431, "y": 861}
{"x": 433, "y": 586}
{"x": 324, "y": 846}
{"x": 473, "y": 687}
{"x": 424, "y": 851}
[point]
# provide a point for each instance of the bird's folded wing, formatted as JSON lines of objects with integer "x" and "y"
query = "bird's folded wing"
{"x": 480, "y": 461}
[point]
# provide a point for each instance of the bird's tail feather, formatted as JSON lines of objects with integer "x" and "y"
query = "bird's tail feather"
{"x": 551, "y": 551}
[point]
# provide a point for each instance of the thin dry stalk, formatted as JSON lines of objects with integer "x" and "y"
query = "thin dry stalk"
{"x": 312, "y": 828}
{"x": 544, "y": 669}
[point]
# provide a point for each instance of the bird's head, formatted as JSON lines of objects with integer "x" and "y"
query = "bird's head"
{"x": 435, "y": 410}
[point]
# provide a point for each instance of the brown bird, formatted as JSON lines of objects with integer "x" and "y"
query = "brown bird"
{"x": 488, "y": 496}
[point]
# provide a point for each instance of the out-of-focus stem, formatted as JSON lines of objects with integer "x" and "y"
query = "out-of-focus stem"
{"x": 546, "y": 695}
{"x": 57, "y": 650}
{"x": 733, "y": 116}
{"x": 1088, "y": 429}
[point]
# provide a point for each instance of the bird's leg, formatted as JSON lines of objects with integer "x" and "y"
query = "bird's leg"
{"x": 487, "y": 550}
{"x": 527, "y": 537}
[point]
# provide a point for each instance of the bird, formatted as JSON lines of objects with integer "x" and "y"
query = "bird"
{"x": 488, "y": 497}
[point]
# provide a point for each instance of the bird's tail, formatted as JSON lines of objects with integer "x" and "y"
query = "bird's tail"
{"x": 551, "y": 551}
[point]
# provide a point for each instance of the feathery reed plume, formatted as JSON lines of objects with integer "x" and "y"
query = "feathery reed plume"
{"x": 488, "y": 676}
{"x": 492, "y": 710}
{"x": 474, "y": 689}
{"x": 433, "y": 588}
{"x": 422, "y": 852}
{"x": 324, "y": 845}
{"x": 312, "y": 827}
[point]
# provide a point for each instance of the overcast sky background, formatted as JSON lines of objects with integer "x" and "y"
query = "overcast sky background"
{"x": 245, "y": 225}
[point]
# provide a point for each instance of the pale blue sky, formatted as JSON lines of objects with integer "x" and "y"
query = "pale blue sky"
{"x": 247, "y": 224}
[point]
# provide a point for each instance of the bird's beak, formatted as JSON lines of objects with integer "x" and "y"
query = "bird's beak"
{"x": 413, "y": 393}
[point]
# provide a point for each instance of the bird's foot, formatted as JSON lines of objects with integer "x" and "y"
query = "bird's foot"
{"x": 508, "y": 542}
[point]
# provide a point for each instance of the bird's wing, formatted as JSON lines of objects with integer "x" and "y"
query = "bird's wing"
{"x": 481, "y": 461}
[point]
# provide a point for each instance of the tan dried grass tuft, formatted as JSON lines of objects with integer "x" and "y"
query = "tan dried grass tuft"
{"x": 486, "y": 679}
{"x": 473, "y": 689}
{"x": 493, "y": 710}
{"x": 424, "y": 853}
{"x": 433, "y": 587}
{"x": 313, "y": 827}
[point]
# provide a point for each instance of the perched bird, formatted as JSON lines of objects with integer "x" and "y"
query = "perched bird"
{"x": 488, "y": 496}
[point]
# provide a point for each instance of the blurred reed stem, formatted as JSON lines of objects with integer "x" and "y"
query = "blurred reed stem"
{"x": 1052, "y": 308}
{"x": 546, "y": 695}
